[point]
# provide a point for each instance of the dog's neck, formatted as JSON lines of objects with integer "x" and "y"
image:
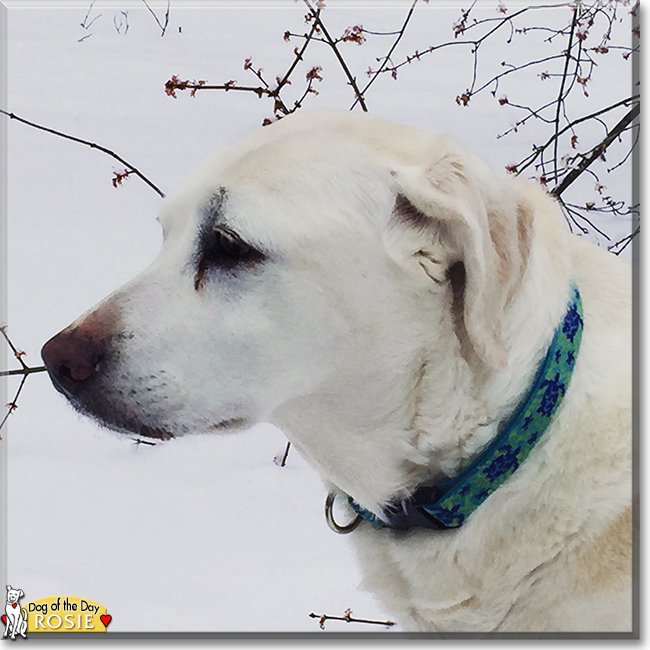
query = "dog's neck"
{"x": 411, "y": 425}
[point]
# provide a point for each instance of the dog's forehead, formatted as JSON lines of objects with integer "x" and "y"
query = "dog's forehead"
{"x": 309, "y": 175}
{"x": 284, "y": 186}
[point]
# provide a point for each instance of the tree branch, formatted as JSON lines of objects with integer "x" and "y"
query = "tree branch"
{"x": 539, "y": 150}
{"x": 560, "y": 99}
{"x": 175, "y": 83}
{"x": 597, "y": 151}
{"x": 332, "y": 44}
{"x": 298, "y": 57}
{"x": 281, "y": 462}
{"x": 347, "y": 618}
{"x": 162, "y": 27}
{"x": 390, "y": 53}
{"x": 92, "y": 145}
{"x": 25, "y": 371}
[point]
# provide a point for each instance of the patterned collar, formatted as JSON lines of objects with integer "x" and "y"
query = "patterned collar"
{"x": 448, "y": 504}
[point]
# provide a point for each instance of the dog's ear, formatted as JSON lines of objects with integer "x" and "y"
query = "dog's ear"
{"x": 8, "y": 587}
{"x": 483, "y": 228}
{"x": 21, "y": 593}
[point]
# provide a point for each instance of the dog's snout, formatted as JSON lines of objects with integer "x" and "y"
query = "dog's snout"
{"x": 78, "y": 355}
{"x": 73, "y": 360}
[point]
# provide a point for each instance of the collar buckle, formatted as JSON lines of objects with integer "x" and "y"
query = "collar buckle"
{"x": 331, "y": 522}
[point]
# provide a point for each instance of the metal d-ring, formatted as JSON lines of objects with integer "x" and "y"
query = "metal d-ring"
{"x": 329, "y": 516}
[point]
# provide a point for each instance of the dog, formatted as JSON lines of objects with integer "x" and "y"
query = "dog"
{"x": 393, "y": 305}
{"x": 16, "y": 615}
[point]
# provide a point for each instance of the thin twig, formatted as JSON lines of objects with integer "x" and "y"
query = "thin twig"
{"x": 25, "y": 371}
{"x": 387, "y": 58}
{"x": 17, "y": 353}
{"x": 341, "y": 60}
{"x": 172, "y": 85}
{"x": 561, "y": 97}
{"x": 597, "y": 151}
{"x": 265, "y": 90}
{"x": 538, "y": 150}
{"x": 140, "y": 441}
{"x": 162, "y": 27}
{"x": 632, "y": 148}
{"x": 347, "y": 617}
{"x": 87, "y": 26}
{"x": 286, "y": 455}
{"x": 13, "y": 405}
{"x": 625, "y": 241}
{"x": 92, "y": 145}
{"x": 475, "y": 43}
{"x": 22, "y": 371}
{"x": 298, "y": 56}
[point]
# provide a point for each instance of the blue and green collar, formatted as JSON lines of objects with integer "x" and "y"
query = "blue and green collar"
{"x": 449, "y": 504}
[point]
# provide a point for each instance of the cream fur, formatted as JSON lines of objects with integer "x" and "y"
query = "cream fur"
{"x": 351, "y": 338}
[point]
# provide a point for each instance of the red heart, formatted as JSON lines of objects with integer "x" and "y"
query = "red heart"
{"x": 106, "y": 619}
{"x": 4, "y": 619}
{"x": 14, "y": 605}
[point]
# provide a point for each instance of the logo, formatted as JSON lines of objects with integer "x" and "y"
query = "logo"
{"x": 15, "y": 616}
{"x": 53, "y": 614}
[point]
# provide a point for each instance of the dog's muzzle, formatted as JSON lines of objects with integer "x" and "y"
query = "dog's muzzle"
{"x": 77, "y": 356}
{"x": 81, "y": 361}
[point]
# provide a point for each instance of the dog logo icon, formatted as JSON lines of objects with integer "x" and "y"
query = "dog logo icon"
{"x": 15, "y": 618}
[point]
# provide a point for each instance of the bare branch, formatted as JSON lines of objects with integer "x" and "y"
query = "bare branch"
{"x": 22, "y": 371}
{"x": 281, "y": 462}
{"x": 347, "y": 617}
{"x": 299, "y": 54}
{"x": 540, "y": 149}
{"x": 175, "y": 83}
{"x": 560, "y": 99}
{"x": 162, "y": 27}
{"x": 17, "y": 353}
{"x": 13, "y": 405}
{"x": 140, "y": 441}
{"x": 623, "y": 243}
{"x": 25, "y": 371}
{"x": 86, "y": 25}
{"x": 387, "y": 58}
{"x": 92, "y": 145}
{"x": 351, "y": 80}
{"x": 597, "y": 151}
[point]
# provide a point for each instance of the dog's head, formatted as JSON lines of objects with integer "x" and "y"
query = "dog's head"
{"x": 326, "y": 255}
{"x": 13, "y": 595}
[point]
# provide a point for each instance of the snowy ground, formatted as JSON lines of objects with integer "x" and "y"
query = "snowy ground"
{"x": 203, "y": 533}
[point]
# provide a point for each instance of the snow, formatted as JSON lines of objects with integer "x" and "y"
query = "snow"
{"x": 202, "y": 533}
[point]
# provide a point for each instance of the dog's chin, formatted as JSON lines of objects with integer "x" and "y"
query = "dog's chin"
{"x": 131, "y": 427}
{"x": 117, "y": 421}
{"x": 231, "y": 425}
{"x": 124, "y": 421}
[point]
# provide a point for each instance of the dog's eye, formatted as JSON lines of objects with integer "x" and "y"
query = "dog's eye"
{"x": 230, "y": 246}
{"x": 221, "y": 248}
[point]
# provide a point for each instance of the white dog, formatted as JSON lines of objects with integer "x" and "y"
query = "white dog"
{"x": 16, "y": 615}
{"x": 406, "y": 317}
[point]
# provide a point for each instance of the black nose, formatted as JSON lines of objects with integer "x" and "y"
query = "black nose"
{"x": 73, "y": 360}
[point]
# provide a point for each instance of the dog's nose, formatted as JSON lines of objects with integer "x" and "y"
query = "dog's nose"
{"x": 73, "y": 360}
{"x": 77, "y": 355}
